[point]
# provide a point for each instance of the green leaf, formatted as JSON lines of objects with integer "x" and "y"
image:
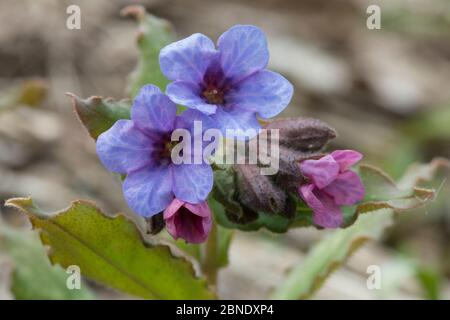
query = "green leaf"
{"x": 97, "y": 114}
{"x": 430, "y": 281}
{"x": 333, "y": 250}
{"x": 329, "y": 254}
{"x": 33, "y": 277}
{"x": 383, "y": 193}
{"x": 111, "y": 250}
{"x": 154, "y": 34}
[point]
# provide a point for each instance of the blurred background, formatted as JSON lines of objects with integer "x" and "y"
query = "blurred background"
{"x": 385, "y": 91}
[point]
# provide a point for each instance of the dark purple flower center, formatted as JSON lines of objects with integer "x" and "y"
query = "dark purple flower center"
{"x": 213, "y": 95}
{"x": 163, "y": 150}
{"x": 215, "y": 85}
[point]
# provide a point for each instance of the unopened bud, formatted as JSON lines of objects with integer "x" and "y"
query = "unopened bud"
{"x": 155, "y": 224}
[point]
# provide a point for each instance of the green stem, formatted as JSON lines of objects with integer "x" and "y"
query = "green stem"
{"x": 210, "y": 265}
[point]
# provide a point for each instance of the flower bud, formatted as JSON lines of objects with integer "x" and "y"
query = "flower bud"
{"x": 302, "y": 134}
{"x": 299, "y": 139}
{"x": 191, "y": 222}
{"x": 258, "y": 192}
{"x": 155, "y": 224}
{"x": 247, "y": 194}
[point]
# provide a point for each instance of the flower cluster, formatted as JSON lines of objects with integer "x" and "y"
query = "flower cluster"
{"x": 225, "y": 88}
{"x": 324, "y": 182}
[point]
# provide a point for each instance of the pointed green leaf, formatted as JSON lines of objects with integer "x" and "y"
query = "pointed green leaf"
{"x": 111, "y": 251}
{"x": 33, "y": 277}
{"x": 430, "y": 281}
{"x": 383, "y": 193}
{"x": 329, "y": 254}
{"x": 97, "y": 114}
{"x": 154, "y": 34}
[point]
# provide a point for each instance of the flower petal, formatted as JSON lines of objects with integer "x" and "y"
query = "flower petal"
{"x": 148, "y": 191}
{"x": 192, "y": 182}
{"x": 264, "y": 92}
{"x": 346, "y": 158}
{"x": 187, "y": 59}
{"x": 243, "y": 51}
{"x": 347, "y": 189}
{"x": 322, "y": 171}
{"x": 191, "y": 222}
{"x": 124, "y": 147}
{"x": 189, "y": 94}
{"x": 236, "y": 119}
{"x": 200, "y": 209}
{"x": 326, "y": 213}
{"x": 188, "y": 117}
{"x": 153, "y": 111}
{"x": 196, "y": 123}
{"x": 173, "y": 208}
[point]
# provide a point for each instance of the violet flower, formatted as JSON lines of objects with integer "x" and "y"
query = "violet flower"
{"x": 230, "y": 83}
{"x": 331, "y": 185}
{"x": 191, "y": 222}
{"x": 141, "y": 149}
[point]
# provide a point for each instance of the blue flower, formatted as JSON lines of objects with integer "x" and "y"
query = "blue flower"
{"x": 230, "y": 84}
{"x": 141, "y": 149}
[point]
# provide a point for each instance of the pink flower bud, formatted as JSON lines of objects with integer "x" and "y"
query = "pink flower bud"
{"x": 331, "y": 185}
{"x": 191, "y": 222}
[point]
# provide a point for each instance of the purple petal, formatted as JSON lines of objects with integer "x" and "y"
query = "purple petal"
{"x": 124, "y": 147}
{"x": 192, "y": 182}
{"x": 243, "y": 51}
{"x": 189, "y": 94}
{"x": 322, "y": 171}
{"x": 197, "y": 123}
{"x": 148, "y": 191}
{"x": 187, "y": 118}
{"x": 346, "y": 158}
{"x": 264, "y": 92}
{"x": 187, "y": 59}
{"x": 347, "y": 189}
{"x": 153, "y": 111}
{"x": 234, "y": 118}
{"x": 326, "y": 213}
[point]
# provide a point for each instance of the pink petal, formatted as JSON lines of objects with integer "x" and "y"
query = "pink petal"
{"x": 346, "y": 158}
{"x": 321, "y": 172}
{"x": 326, "y": 213}
{"x": 173, "y": 208}
{"x": 201, "y": 209}
{"x": 347, "y": 189}
{"x": 191, "y": 222}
